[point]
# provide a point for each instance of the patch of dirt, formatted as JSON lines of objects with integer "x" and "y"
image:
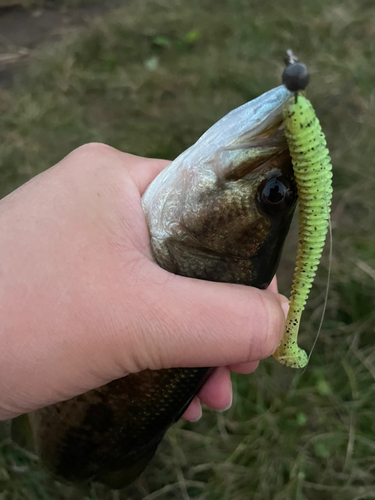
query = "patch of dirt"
{"x": 22, "y": 30}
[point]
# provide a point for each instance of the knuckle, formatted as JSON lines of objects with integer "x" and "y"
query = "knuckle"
{"x": 93, "y": 148}
{"x": 92, "y": 153}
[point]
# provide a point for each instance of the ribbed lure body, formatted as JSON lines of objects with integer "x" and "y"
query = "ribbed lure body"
{"x": 313, "y": 175}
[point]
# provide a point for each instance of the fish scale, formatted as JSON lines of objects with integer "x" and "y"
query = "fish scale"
{"x": 101, "y": 435}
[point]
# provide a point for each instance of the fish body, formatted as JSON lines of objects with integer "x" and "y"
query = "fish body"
{"x": 219, "y": 212}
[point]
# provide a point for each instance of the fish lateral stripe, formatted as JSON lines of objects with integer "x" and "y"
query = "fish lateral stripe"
{"x": 313, "y": 175}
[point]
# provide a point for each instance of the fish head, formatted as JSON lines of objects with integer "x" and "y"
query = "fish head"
{"x": 222, "y": 209}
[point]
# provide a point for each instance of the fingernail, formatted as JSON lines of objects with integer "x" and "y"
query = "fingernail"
{"x": 198, "y": 417}
{"x": 221, "y": 410}
{"x": 285, "y": 307}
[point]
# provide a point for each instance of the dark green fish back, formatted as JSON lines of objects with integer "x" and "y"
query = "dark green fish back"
{"x": 103, "y": 434}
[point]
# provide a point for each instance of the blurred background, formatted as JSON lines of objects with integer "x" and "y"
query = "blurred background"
{"x": 149, "y": 77}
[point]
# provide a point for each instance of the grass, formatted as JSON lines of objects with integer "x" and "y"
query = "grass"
{"x": 149, "y": 80}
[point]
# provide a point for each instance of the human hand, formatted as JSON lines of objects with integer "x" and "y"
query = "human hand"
{"x": 82, "y": 302}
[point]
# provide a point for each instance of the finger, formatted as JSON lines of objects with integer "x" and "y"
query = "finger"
{"x": 194, "y": 411}
{"x": 217, "y": 391}
{"x": 244, "y": 368}
{"x": 189, "y": 322}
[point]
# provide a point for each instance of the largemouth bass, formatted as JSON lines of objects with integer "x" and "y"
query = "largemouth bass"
{"x": 220, "y": 212}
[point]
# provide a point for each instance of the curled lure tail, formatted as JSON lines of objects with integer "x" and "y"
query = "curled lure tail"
{"x": 313, "y": 175}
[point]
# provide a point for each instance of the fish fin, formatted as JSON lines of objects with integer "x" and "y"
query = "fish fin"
{"x": 127, "y": 474}
{"x": 22, "y": 433}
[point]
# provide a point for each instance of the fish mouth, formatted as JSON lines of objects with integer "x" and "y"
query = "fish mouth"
{"x": 262, "y": 154}
{"x": 247, "y": 139}
{"x": 250, "y": 138}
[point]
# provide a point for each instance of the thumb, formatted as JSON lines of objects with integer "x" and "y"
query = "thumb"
{"x": 189, "y": 322}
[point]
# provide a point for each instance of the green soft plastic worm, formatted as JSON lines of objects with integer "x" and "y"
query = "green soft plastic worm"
{"x": 313, "y": 175}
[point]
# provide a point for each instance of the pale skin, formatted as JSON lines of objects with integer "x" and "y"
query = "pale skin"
{"x": 82, "y": 302}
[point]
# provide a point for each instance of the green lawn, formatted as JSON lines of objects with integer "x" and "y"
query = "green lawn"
{"x": 149, "y": 80}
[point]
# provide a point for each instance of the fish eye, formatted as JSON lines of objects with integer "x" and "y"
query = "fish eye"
{"x": 277, "y": 194}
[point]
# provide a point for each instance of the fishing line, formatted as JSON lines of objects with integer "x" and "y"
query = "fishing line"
{"x": 326, "y": 292}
